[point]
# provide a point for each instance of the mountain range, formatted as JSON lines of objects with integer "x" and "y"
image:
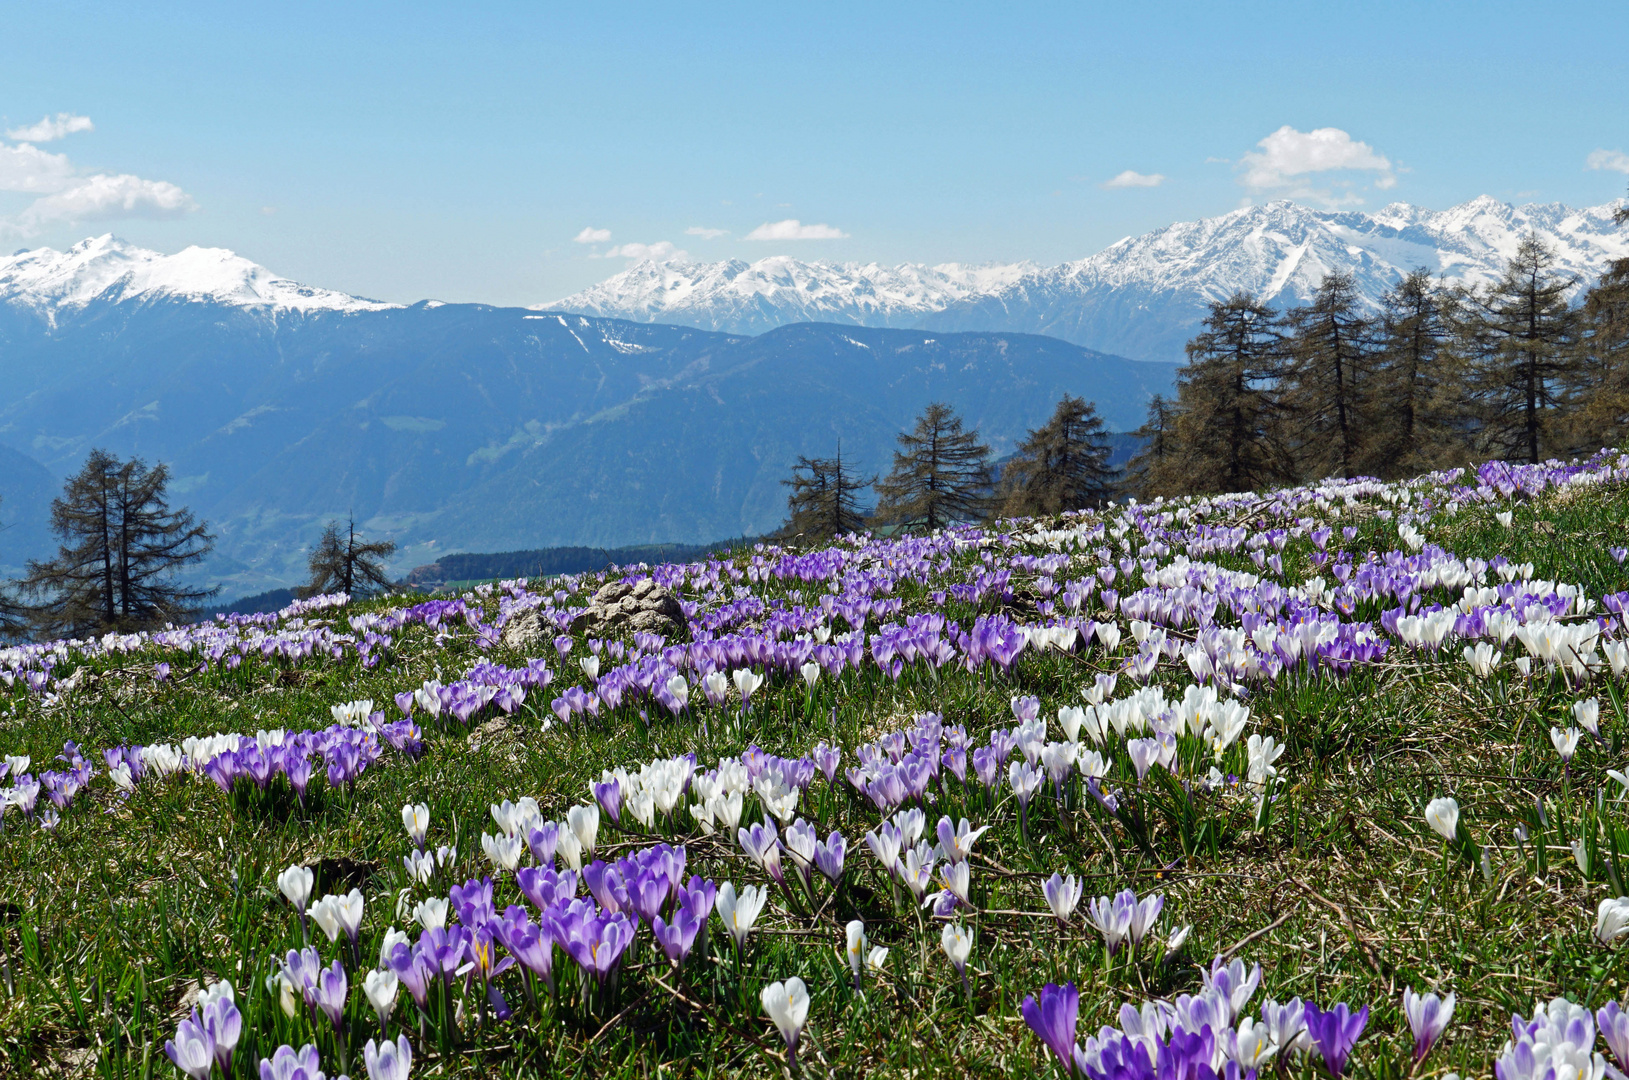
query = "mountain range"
{"x": 1141, "y": 297}
{"x": 454, "y": 427}
{"x": 449, "y": 427}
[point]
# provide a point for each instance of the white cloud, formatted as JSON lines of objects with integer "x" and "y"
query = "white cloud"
{"x": 1132, "y": 178}
{"x": 30, "y": 169}
{"x": 1288, "y": 157}
{"x": 661, "y": 251}
{"x": 96, "y": 198}
{"x": 51, "y": 128}
{"x": 67, "y": 196}
{"x": 591, "y": 235}
{"x": 793, "y": 229}
{"x": 1615, "y": 160}
{"x": 705, "y": 233}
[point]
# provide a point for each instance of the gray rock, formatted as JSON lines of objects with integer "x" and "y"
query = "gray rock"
{"x": 617, "y": 608}
{"x": 523, "y": 632}
{"x": 620, "y": 608}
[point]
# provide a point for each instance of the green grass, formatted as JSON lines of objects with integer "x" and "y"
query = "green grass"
{"x": 110, "y": 920}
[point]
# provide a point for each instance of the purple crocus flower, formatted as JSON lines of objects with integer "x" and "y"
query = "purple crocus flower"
{"x": 193, "y": 1049}
{"x": 697, "y": 897}
{"x": 343, "y": 765}
{"x": 223, "y": 769}
{"x": 544, "y": 886}
{"x": 1025, "y": 709}
{"x": 827, "y": 758}
{"x": 473, "y": 902}
{"x": 224, "y": 1023}
{"x": 330, "y": 992}
{"x": 609, "y": 796}
{"x": 388, "y": 1060}
{"x": 599, "y": 942}
{"x": 290, "y": 1064}
{"x": 542, "y": 840}
{"x": 828, "y": 856}
{"x": 762, "y": 843}
{"x": 256, "y": 764}
{"x": 1335, "y": 1032}
{"x": 1053, "y": 1019}
{"x": 297, "y": 767}
{"x": 444, "y": 950}
{"x": 987, "y": 766}
{"x": 605, "y": 884}
{"x": 486, "y": 964}
{"x": 671, "y": 861}
{"x": 888, "y": 789}
{"x": 301, "y": 970}
{"x": 1428, "y": 1017}
{"x": 414, "y": 970}
{"x": 648, "y": 892}
{"x": 1613, "y": 1021}
{"x": 530, "y": 944}
{"x": 678, "y": 937}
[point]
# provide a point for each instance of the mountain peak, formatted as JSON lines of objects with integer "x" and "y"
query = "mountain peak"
{"x": 1280, "y": 250}
{"x": 106, "y": 268}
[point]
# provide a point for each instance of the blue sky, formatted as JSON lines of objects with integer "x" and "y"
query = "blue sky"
{"x": 408, "y": 150}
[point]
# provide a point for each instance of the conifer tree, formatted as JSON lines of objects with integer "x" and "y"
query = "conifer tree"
{"x": 941, "y": 474}
{"x": 1417, "y": 389}
{"x": 1229, "y": 433}
{"x": 824, "y": 501}
{"x": 342, "y": 563}
{"x": 1325, "y": 382}
{"x": 1148, "y": 473}
{"x": 1520, "y": 340}
{"x": 121, "y": 546}
{"x": 1601, "y": 390}
{"x": 1062, "y": 465}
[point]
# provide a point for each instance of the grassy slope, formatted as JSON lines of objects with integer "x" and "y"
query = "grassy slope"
{"x": 109, "y": 920}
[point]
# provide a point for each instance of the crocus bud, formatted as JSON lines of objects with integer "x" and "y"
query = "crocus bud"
{"x": 1443, "y": 816}
{"x": 296, "y": 884}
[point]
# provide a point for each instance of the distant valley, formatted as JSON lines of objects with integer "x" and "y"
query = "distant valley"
{"x": 471, "y": 428}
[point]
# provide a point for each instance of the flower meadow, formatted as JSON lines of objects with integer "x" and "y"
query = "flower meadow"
{"x": 1325, "y": 781}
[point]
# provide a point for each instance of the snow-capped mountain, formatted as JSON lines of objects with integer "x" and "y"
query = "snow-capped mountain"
{"x": 105, "y": 268}
{"x": 744, "y": 298}
{"x": 1140, "y": 297}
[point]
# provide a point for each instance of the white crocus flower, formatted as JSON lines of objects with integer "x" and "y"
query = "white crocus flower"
{"x": 856, "y": 948}
{"x": 584, "y": 823}
{"x": 1565, "y": 742}
{"x": 1443, "y": 817}
{"x": 296, "y": 884}
{"x": 740, "y": 911}
{"x": 431, "y": 913}
{"x": 787, "y": 1004}
{"x": 416, "y": 820}
{"x": 747, "y": 681}
{"x": 1612, "y": 919}
{"x": 381, "y": 988}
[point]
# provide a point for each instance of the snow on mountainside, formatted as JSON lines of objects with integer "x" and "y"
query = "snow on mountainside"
{"x": 1282, "y": 250}
{"x": 1140, "y": 297}
{"x": 106, "y": 268}
{"x": 751, "y": 298}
